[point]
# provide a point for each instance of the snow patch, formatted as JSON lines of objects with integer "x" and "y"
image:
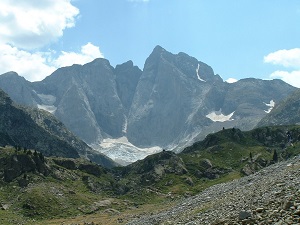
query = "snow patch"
{"x": 231, "y": 80}
{"x": 49, "y": 108}
{"x": 197, "y": 72}
{"x": 48, "y": 103}
{"x": 47, "y": 99}
{"x": 122, "y": 151}
{"x": 218, "y": 116}
{"x": 271, "y": 105}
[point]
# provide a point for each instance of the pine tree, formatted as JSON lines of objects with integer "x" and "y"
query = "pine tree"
{"x": 275, "y": 156}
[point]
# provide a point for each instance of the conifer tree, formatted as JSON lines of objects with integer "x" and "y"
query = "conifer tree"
{"x": 275, "y": 156}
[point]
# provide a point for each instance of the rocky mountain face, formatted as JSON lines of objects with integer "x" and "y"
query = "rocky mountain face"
{"x": 40, "y": 130}
{"x": 270, "y": 196}
{"x": 174, "y": 101}
{"x": 284, "y": 113}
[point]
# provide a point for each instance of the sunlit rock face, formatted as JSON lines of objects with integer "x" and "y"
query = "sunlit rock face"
{"x": 172, "y": 102}
{"x": 285, "y": 112}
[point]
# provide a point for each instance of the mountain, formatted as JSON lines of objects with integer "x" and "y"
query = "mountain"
{"x": 284, "y": 113}
{"x": 19, "y": 89}
{"x": 179, "y": 98}
{"x": 85, "y": 99}
{"x": 174, "y": 101}
{"x": 40, "y": 130}
{"x": 35, "y": 187}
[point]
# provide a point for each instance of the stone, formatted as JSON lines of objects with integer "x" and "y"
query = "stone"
{"x": 259, "y": 210}
{"x": 206, "y": 164}
{"x": 287, "y": 204}
{"x": 189, "y": 181}
{"x": 103, "y": 203}
{"x": 4, "y": 206}
{"x": 297, "y": 212}
{"x": 244, "y": 215}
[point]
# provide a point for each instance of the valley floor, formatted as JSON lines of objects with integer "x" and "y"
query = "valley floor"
{"x": 270, "y": 196}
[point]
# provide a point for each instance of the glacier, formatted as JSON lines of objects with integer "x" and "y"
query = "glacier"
{"x": 122, "y": 151}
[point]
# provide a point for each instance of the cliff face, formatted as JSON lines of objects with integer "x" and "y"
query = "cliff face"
{"x": 173, "y": 102}
{"x": 284, "y": 113}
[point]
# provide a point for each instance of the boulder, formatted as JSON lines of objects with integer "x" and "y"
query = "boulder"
{"x": 245, "y": 215}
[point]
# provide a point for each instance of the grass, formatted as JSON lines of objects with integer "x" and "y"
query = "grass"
{"x": 69, "y": 195}
{"x": 111, "y": 218}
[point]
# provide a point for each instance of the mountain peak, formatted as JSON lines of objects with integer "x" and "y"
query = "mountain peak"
{"x": 158, "y": 48}
{"x": 12, "y": 75}
{"x": 158, "y": 51}
{"x": 99, "y": 60}
{"x": 125, "y": 64}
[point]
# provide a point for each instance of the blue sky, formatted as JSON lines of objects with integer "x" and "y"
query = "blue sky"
{"x": 238, "y": 38}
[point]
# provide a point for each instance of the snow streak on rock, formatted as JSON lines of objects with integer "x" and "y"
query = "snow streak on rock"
{"x": 271, "y": 105}
{"x": 197, "y": 72}
{"x": 124, "y": 130}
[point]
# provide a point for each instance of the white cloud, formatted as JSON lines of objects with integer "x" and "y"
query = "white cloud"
{"x": 28, "y": 25}
{"x": 88, "y": 53}
{"x": 231, "y": 80}
{"x": 33, "y": 66}
{"x": 36, "y": 66}
{"x": 287, "y": 58}
{"x": 33, "y": 23}
{"x": 292, "y": 78}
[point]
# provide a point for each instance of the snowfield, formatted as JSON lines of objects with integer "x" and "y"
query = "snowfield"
{"x": 218, "y": 116}
{"x": 122, "y": 151}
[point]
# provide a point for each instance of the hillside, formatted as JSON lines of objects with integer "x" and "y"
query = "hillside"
{"x": 285, "y": 112}
{"x": 222, "y": 156}
{"x": 270, "y": 196}
{"x": 35, "y": 187}
{"x": 40, "y": 130}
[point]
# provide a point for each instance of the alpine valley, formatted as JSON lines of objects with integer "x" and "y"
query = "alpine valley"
{"x": 128, "y": 113}
{"x": 200, "y": 150}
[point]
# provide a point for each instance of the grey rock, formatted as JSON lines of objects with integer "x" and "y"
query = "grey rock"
{"x": 287, "y": 204}
{"x": 127, "y": 78}
{"x": 189, "y": 181}
{"x": 19, "y": 89}
{"x": 164, "y": 105}
{"x": 206, "y": 164}
{"x": 284, "y": 113}
{"x": 5, "y": 206}
{"x": 225, "y": 203}
{"x": 297, "y": 212}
